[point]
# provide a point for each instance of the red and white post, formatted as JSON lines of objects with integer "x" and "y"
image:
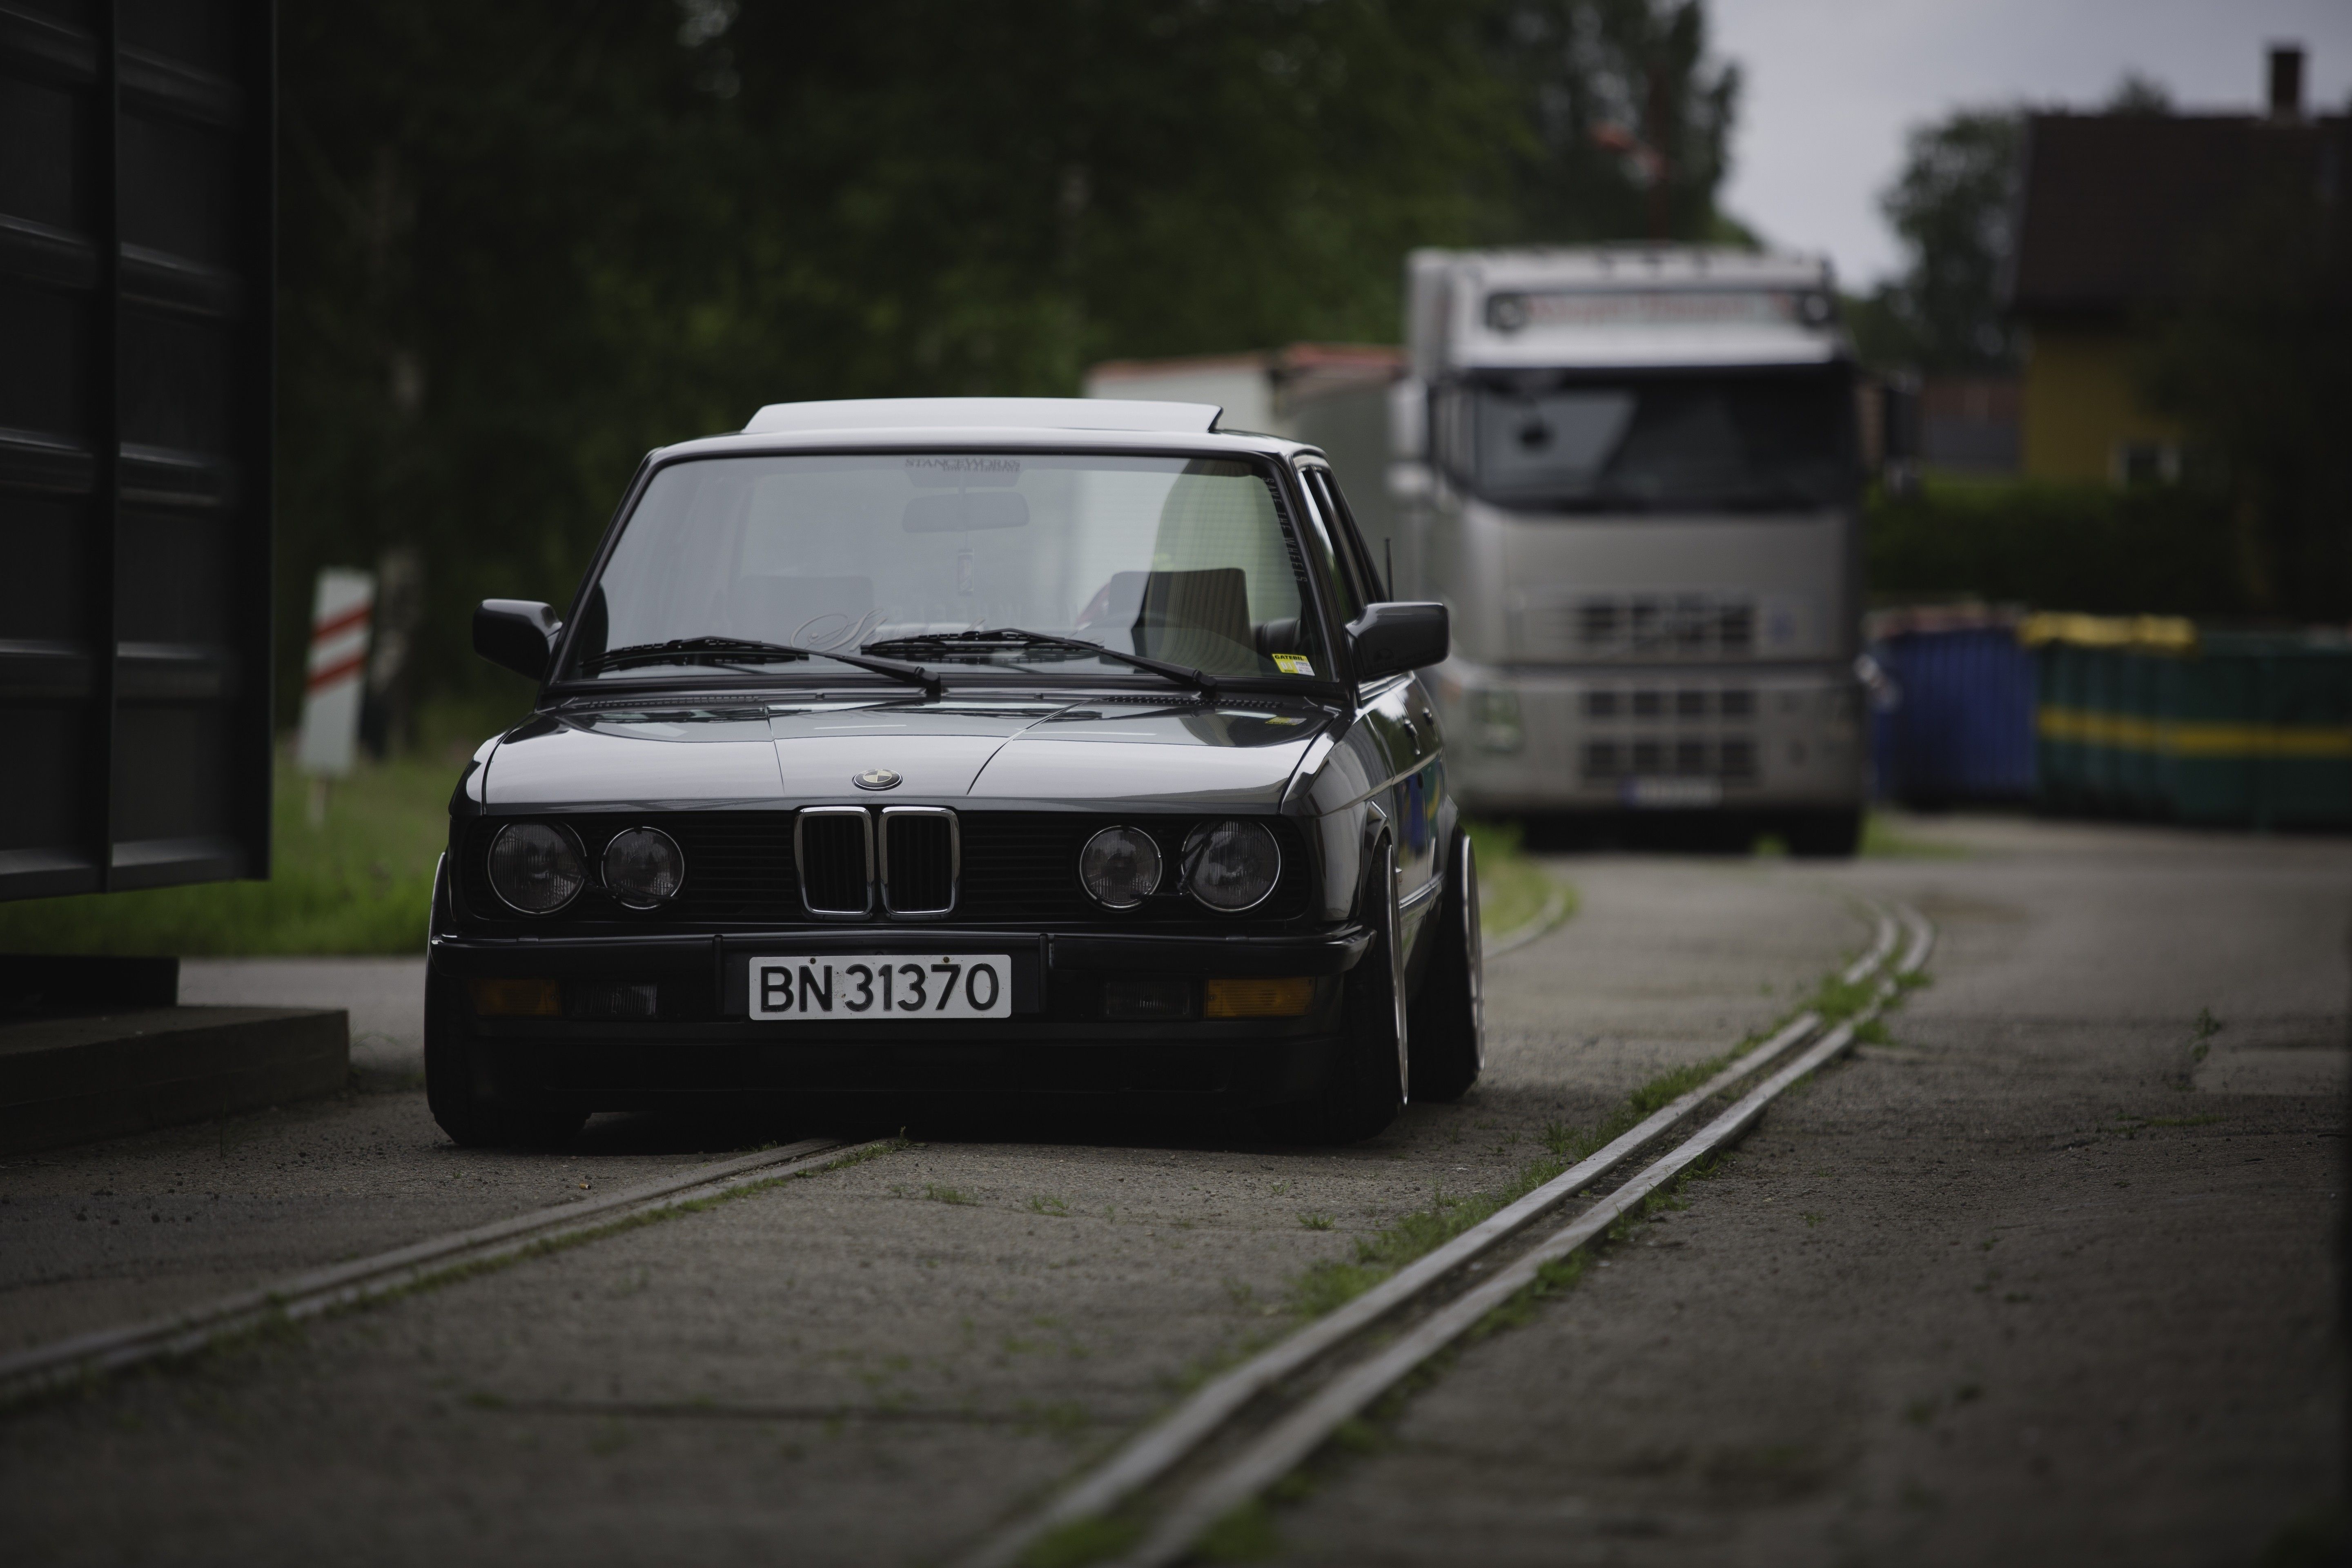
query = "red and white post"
{"x": 340, "y": 617}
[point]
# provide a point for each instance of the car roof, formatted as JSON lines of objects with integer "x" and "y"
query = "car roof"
{"x": 962, "y": 412}
{"x": 1069, "y": 424}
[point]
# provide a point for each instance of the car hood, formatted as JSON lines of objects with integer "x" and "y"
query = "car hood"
{"x": 1233, "y": 757}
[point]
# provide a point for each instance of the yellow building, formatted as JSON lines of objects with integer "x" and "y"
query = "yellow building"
{"x": 2079, "y": 411}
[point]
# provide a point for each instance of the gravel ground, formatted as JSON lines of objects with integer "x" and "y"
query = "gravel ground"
{"x": 2048, "y": 1279}
{"x": 876, "y": 1363}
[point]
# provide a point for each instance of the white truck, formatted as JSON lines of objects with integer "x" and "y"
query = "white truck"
{"x": 1633, "y": 474}
{"x": 1632, "y": 471}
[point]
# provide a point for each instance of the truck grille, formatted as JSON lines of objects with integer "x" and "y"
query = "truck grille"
{"x": 1646, "y": 702}
{"x": 834, "y": 848}
{"x": 919, "y": 861}
{"x": 1731, "y": 760}
{"x": 1643, "y": 625}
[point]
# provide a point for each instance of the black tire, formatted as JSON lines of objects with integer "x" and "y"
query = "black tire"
{"x": 1365, "y": 1086}
{"x": 1448, "y": 1019}
{"x": 1825, "y": 834}
{"x": 455, "y": 1094}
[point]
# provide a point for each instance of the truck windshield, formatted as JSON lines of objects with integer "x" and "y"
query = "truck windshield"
{"x": 1734, "y": 440}
{"x": 770, "y": 564}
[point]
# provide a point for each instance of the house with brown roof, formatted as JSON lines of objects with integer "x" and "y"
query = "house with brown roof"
{"x": 2122, "y": 216}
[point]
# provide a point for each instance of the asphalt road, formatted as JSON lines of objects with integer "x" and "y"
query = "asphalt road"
{"x": 2035, "y": 1277}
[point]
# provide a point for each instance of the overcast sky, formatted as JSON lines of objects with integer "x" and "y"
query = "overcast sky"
{"x": 1829, "y": 87}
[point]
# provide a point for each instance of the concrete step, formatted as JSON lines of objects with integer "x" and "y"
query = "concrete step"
{"x": 71, "y": 1080}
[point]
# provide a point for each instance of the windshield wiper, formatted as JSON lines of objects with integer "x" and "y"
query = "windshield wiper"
{"x": 719, "y": 647}
{"x": 1013, "y": 636}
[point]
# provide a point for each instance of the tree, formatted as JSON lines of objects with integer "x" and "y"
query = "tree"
{"x": 522, "y": 244}
{"x": 2256, "y": 361}
{"x": 1953, "y": 207}
{"x": 1625, "y": 122}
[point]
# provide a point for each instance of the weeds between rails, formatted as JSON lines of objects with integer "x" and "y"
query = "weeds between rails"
{"x": 1334, "y": 1282}
{"x": 1248, "y": 1530}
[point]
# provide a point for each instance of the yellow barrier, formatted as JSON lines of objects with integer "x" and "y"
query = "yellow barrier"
{"x": 2148, "y": 634}
{"x": 2169, "y": 739}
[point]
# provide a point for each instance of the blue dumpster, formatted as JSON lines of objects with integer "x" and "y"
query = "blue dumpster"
{"x": 1958, "y": 725}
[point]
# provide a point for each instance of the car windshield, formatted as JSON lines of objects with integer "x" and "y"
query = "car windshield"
{"x": 1743, "y": 441}
{"x": 953, "y": 559}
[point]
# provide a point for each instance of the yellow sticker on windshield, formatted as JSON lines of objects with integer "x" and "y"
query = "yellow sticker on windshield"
{"x": 1293, "y": 664}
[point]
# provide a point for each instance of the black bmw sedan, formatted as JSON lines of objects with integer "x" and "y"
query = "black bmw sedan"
{"x": 984, "y": 748}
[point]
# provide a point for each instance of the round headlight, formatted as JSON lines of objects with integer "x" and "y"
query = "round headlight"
{"x": 1231, "y": 866}
{"x": 1120, "y": 866}
{"x": 536, "y": 868}
{"x": 644, "y": 867}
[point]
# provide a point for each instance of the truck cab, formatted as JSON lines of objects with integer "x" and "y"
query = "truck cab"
{"x": 1631, "y": 473}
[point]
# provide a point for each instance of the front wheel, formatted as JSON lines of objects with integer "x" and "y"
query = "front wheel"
{"x": 1365, "y": 1089}
{"x": 1449, "y": 1018}
{"x": 1825, "y": 834}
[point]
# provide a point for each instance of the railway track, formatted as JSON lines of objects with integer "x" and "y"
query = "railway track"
{"x": 83, "y": 1357}
{"x": 1238, "y": 1435}
{"x": 1232, "y": 1439}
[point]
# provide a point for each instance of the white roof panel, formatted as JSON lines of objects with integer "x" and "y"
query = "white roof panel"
{"x": 984, "y": 413}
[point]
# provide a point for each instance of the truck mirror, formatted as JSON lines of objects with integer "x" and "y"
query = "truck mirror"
{"x": 517, "y": 634}
{"x": 1392, "y": 638}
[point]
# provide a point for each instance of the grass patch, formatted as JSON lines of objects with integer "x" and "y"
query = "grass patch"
{"x": 939, "y": 1194}
{"x": 1552, "y": 1278}
{"x": 1083, "y": 1541}
{"x": 1880, "y": 841}
{"x": 1513, "y": 890}
{"x": 1245, "y": 1535}
{"x": 1315, "y": 1221}
{"x": 362, "y": 883}
{"x": 1333, "y": 1283}
{"x": 1330, "y": 1284}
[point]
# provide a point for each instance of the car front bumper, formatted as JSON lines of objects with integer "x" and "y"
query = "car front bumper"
{"x": 1059, "y": 1041}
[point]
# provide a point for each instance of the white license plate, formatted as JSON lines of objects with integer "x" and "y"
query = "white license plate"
{"x": 895, "y": 986}
{"x": 1671, "y": 794}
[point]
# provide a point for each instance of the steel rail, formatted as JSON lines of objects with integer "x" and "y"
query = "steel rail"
{"x": 1157, "y": 1449}
{"x": 306, "y": 1295}
{"x": 1280, "y": 1450}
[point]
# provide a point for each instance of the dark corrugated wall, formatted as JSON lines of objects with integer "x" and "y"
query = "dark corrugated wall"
{"x": 137, "y": 216}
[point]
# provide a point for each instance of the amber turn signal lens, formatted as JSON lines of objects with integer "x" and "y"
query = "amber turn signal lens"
{"x": 518, "y": 999}
{"x": 1286, "y": 998}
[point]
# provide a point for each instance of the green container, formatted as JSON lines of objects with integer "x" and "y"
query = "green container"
{"x": 2262, "y": 735}
{"x": 2248, "y": 729}
{"x": 2144, "y": 688}
{"x": 2060, "y": 750}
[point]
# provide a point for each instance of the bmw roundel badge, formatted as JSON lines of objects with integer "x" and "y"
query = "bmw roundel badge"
{"x": 877, "y": 778}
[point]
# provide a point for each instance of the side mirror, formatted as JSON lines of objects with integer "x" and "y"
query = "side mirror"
{"x": 517, "y": 634}
{"x": 1392, "y": 638}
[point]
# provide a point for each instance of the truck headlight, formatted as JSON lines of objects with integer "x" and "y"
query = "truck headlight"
{"x": 536, "y": 868}
{"x": 1497, "y": 716}
{"x": 1120, "y": 866}
{"x": 644, "y": 867}
{"x": 1231, "y": 866}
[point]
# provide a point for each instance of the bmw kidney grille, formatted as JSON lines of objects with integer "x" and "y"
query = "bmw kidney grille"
{"x": 834, "y": 845}
{"x": 919, "y": 861}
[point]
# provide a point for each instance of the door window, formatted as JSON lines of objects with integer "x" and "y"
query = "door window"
{"x": 1375, "y": 581}
{"x": 1327, "y": 534}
